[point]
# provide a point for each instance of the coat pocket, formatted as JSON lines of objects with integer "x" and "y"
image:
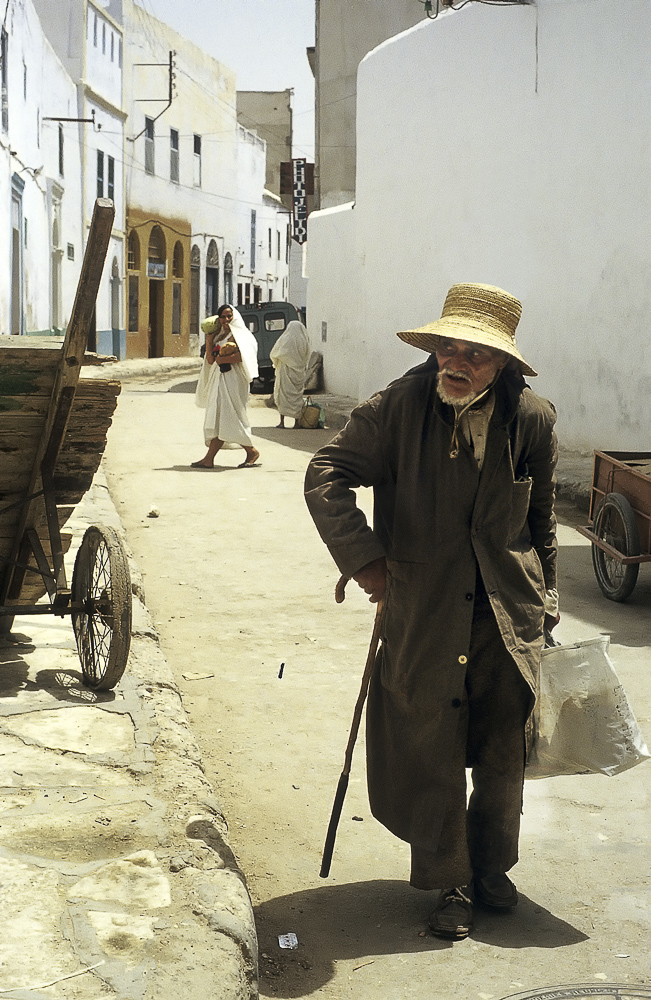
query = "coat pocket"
{"x": 520, "y": 499}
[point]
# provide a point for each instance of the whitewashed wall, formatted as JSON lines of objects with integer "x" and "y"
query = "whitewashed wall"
{"x": 38, "y": 87}
{"x": 104, "y": 56}
{"x": 270, "y": 274}
{"x": 335, "y": 316}
{"x": 507, "y": 145}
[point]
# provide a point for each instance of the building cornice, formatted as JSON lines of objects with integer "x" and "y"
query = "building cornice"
{"x": 92, "y": 95}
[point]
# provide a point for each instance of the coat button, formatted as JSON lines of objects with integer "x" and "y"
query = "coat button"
{"x": 463, "y": 659}
{"x": 469, "y": 597}
{"x": 456, "y": 703}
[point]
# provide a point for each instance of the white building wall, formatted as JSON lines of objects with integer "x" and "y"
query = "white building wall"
{"x": 297, "y": 293}
{"x": 103, "y": 55}
{"x": 507, "y": 145}
{"x": 204, "y": 105}
{"x": 335, "y": 277}
{"x": 38, "y": 88}
{"x": 81, "y": 34}
{"x": 268, "y": 273}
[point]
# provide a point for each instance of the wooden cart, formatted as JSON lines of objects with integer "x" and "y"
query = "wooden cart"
{"x": 52, "y": 436}
{"x": 620, "y": 519}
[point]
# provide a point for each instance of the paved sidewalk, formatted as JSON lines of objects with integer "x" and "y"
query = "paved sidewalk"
{"x": 114, "y": 853}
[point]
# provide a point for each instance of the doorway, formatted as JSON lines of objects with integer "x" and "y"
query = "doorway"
{"x": 17, "y": 185}
{"x": 212, "y": 291}
{"x": 156, "y": 319}
{"x": 212, "y": 279}
{"x": 115, "y": 308}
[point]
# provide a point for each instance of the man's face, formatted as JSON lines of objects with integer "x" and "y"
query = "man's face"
{"x": 465, "y": 369}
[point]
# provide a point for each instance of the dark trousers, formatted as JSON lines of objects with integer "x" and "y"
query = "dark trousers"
{"x": 481, "y": 837}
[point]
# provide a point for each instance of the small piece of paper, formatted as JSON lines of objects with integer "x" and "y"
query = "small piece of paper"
{"x": 192, "y": 676}
{"x": 288, "y": 941}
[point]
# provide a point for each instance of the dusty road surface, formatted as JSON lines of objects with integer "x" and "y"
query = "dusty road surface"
{"x": 239, "y": 584}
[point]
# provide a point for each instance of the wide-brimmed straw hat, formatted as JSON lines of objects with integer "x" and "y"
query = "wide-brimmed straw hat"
{"x": 480, "y": 314}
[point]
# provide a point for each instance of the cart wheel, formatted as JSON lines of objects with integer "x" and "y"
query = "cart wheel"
{"x": 101, "y": 586}
{"x": 615, "y": 523}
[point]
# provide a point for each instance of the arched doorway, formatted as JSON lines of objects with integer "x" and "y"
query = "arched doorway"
{"x": 228, "y": 279}
{"x": 212, "y": 279}
{"x": 57, "y": 255}
{"x": 133, "y": 264}
{"x": 177, "y": 274}
{"x": 195, "y": 301}
{"x": 156, "y": 272}
{"x": 115, "y": 308}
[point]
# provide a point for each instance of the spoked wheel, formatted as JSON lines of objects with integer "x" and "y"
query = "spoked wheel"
{"x": 101, "y": 600}
{"x": 615, "y": 523}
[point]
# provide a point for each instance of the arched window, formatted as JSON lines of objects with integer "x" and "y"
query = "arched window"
{"x": 195, "y": 279}
{"x": 228, "y": 279}
{"x": 177, "y": 260}
{"x": 212, "y": 257}
{"x": 133, "y": 251}
{"x": 212, "y": 279}
{"x": 156, "y": 254}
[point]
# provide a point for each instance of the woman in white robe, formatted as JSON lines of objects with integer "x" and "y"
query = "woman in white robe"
{"x": 223, "y": 389}
{"x": 290, "y": 356}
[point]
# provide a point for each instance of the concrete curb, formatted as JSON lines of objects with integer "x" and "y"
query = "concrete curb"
{"x": 115, "y": 863}
{"x": 221, "y": 898}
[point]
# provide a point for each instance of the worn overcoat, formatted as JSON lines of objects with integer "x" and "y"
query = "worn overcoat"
{"x": 436, "y": 518}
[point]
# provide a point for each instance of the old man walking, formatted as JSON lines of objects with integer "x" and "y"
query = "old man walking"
{"x": 460, "y": 454}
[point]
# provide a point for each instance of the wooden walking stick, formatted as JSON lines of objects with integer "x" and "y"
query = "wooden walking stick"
{"x": 342, "y": 786}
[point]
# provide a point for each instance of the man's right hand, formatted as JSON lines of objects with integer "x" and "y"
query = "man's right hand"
{"x": 372, "y": 578}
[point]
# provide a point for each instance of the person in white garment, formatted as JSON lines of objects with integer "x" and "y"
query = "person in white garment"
{"x": 229, "y": 365}
{"x": 290, "y": 356}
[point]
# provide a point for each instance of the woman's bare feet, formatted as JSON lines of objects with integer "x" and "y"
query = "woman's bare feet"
{"x": 252, "y": 456}
{"x": 207, "y": 462}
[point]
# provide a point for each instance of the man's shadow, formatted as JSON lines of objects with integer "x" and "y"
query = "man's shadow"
{"x": 361, "y": 919}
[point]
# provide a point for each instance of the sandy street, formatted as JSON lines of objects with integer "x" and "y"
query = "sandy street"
{"x": 238, "y": 584}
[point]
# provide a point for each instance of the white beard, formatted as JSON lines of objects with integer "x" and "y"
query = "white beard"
{"x": 459, "y": 401}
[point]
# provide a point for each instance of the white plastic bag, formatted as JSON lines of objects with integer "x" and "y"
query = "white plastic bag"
{"x": 583, "y": 723}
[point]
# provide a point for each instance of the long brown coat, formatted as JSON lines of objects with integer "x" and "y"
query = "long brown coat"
{"x": 435, "y": 519}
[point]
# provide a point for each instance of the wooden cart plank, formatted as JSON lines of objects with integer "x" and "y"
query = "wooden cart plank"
{"x": 67, "y": 369}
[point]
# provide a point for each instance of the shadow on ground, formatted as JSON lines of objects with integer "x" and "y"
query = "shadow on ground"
{"x": 190, "y": 386}
{"x": 63, "y": 685}
{"x": 300, "y": 440}
{"x": 382, "y": 917}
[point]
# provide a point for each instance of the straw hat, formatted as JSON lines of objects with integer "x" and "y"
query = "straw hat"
{"x": 480, "y": 314}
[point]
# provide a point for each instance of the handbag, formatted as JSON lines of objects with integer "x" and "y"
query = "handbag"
{"x": 311, "y": 416}
{"x": 582, "y": 721}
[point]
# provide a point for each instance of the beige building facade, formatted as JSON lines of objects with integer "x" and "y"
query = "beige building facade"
{"x": 345, "y": 33}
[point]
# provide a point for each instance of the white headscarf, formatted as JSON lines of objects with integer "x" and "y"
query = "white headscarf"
{"x": 292, "y": 347}
{"x": 240, "y": 333}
